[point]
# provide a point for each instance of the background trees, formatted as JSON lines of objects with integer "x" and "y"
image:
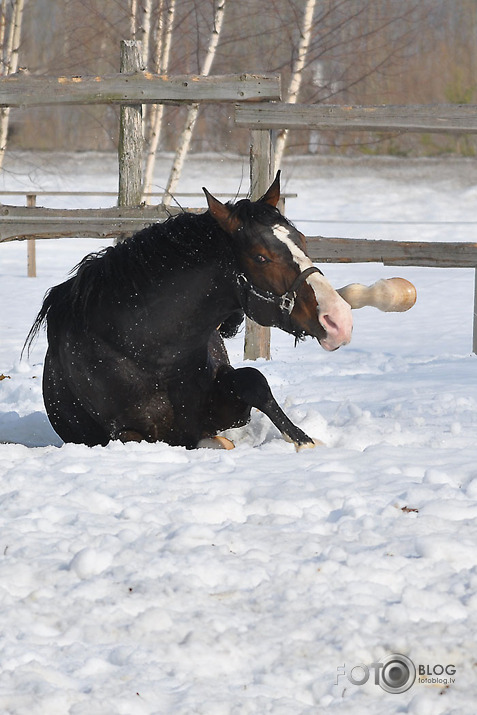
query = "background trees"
{"x": 359, "y": 51}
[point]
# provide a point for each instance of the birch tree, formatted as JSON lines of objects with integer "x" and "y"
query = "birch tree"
{"x": 144, "y": 29}
{"x": 133, "y": 18}
{"x": 297, "y": 74}
{"x": 10, "y": 34}
{"x": 193, "y": 112}
{"x": 165, "y": 23}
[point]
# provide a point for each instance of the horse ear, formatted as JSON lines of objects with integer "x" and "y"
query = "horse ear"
{"x": 221, "y": 212}
{"x": 272, "y": 196}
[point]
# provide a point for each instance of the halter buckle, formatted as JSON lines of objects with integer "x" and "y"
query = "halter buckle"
{"x": 287, "y": 301}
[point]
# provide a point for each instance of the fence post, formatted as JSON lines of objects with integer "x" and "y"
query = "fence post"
{"x": 474, "y": 322}
{"x": 257, "y": 338}
{"x": 31, "y": 245}
{"x": 131, "y": 141}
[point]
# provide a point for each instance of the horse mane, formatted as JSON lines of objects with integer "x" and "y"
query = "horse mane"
{"x": 122, "y": 271}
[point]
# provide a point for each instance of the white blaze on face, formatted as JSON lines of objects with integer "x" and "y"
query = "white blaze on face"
{"x": 334, "y": 313}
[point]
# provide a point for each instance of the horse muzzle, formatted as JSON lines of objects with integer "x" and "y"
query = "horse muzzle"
{"x": 337, "y": 334}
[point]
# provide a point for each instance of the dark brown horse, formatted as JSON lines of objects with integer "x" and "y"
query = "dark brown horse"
{"x": 135, "y": 337}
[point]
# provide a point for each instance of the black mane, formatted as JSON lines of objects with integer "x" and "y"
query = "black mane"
{"x": 122, "y": 271}
{"x": 183, "y": 240}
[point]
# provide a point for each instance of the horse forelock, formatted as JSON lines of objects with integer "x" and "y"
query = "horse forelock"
{"x": 249, "y": 213}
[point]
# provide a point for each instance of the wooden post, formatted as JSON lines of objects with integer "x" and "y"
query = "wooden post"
{"x": 31, "y": 245}
{"x": 474, "y": 322}
{"x": 131, "y": 141}
{"x": 257, "y": 338}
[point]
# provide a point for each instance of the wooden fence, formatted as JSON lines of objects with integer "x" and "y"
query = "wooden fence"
{"x": 263, "y": 119}
{"x": 255, "y": 111}
{"x": 130, "y": 89}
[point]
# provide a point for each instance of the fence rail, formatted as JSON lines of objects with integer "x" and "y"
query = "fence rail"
{"x": 18, "y": 223}
{"x": 24, "y": 90}
{"x": 31, "y": 222}
{"x": 441, "y": 118}
{"x": 392, "y": 253}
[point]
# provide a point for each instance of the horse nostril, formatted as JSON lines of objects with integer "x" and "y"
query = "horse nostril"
{"x": 328, "y": 324}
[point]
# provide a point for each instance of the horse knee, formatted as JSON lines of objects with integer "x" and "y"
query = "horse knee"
{"x": 251, "y": 386}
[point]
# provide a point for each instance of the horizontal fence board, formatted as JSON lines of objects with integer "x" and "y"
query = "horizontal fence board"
{"x": 24, "y": 90}
{"x": 392, "y": 253}
{"x": 188, "y": 194}
{"x": 440, "y": 118}
{"x": 19, "y": 223}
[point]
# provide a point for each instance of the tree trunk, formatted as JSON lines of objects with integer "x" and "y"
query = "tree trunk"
{"x": 133, "y": 19}
{"x": 144, "y": 29}
{"x": 297, "y": 75}
{"x": 186, "y": 136}
{"x": 11, "y": 65}
{"x": 3, "y": 26}
{"x": 163, "y": 51}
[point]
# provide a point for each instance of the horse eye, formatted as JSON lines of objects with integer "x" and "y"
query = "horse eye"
{"x": 261, "y": 259}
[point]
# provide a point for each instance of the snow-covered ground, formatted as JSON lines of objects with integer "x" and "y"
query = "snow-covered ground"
{"x": 139, "y": 579}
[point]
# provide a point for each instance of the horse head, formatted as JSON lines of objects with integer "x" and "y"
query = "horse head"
{"x": 278, "y": 283}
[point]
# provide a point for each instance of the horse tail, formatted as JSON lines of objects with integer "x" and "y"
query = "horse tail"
{"x": 40, "y": 319}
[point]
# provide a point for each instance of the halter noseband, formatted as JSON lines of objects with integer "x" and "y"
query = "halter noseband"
{"x": 278, "y": 307}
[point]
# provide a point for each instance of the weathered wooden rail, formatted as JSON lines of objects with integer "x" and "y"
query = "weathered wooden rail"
{"x": 392, "y": 253}
{"x": 31, "y": 222}
{"x": 18, "y": 223}
{"x": 24, "y": 90}
{"x": 442, "y": 118}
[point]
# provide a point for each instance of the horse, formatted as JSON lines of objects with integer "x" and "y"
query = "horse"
{"x": 136, "y": 334}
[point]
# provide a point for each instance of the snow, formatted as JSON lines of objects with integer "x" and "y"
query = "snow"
{"x": 146, "y": 579}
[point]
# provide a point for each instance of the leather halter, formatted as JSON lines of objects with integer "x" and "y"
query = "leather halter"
{"x": 275, "y": 309}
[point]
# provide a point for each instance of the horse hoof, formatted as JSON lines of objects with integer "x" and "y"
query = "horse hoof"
{"x": 309, "y": 445}
{"x": 216, "y": 442}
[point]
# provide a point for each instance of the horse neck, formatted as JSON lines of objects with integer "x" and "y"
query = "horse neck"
{"x": 191, "y": 281}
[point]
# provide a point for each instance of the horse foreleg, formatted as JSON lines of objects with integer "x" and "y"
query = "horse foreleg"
{"x": 237, "y": 391}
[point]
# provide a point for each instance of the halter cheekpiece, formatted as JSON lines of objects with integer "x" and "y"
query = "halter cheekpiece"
{"x": 276, "y": 309}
